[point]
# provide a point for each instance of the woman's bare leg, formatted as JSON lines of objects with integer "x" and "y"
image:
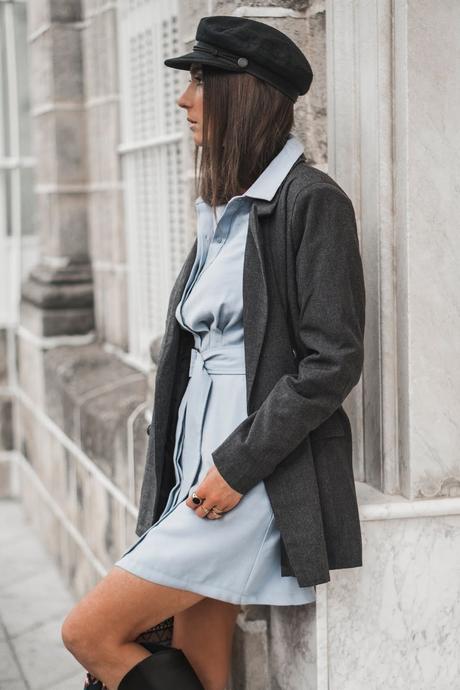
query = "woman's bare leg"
{"x": 205, "y": 634}
{"x": 101, "y": 628}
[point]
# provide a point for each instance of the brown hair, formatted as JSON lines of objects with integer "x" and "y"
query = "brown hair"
{"x": 246, "y": 123}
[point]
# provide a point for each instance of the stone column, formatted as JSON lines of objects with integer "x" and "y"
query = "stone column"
{"x": 360, "y": 159}
{"x": 426, "y": 192}
{"x": 57, "y": 298}
{"x": 393, "y": 124}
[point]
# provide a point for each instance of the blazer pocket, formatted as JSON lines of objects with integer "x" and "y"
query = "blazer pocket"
{"x": 332, "y": 426}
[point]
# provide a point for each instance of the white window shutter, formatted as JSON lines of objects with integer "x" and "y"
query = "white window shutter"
{"x": 152, "y": 164}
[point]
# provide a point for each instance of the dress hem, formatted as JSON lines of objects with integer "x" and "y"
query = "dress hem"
{"x": 210, "y": 591}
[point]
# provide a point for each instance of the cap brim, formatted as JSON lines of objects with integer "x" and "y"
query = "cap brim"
{"x": 184, "y": 61}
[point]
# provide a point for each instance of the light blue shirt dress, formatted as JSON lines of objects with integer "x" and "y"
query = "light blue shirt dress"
{"x": 237, "y": 557}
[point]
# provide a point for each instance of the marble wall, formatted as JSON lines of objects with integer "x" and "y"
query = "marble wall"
{"x": 395, "y": 622}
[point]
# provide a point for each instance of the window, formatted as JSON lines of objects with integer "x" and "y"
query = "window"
{"x": 152, "y": 165}
{"x": 18, "y": 243}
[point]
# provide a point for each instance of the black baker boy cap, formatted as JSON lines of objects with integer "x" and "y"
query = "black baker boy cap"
{"x": 239, "y": 44}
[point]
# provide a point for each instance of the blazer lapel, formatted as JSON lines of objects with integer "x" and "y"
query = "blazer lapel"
{"x": 255, "y": 291}
{"x": 255, "y": 299}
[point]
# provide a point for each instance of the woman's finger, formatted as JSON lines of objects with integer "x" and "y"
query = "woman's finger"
{"x": 203, "y": 510}
{"x": 190, "y": 502}
{"x": 216, "y": 513}
{"x": 213, "y": 516}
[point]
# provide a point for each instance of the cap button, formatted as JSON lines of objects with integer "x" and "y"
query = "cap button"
{"x": 243, "y": 62}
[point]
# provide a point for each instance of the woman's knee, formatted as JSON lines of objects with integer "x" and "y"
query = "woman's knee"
{"x": 75, "y": 632}
{"x": 83, "y": 637}
{"x": 88, "y": 626}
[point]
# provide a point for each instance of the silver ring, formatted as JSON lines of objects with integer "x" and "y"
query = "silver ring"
{"x": 196, "y": 499}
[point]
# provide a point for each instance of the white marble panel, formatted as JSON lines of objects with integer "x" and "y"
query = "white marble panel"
{"x": 426, "y": 165}
{"x": 395, "y": 622}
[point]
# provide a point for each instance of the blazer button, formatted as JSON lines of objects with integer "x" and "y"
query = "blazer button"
{"x": 148, "y": 429}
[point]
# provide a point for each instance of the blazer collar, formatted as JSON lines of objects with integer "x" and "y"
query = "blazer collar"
{"x": 270, "y": 179}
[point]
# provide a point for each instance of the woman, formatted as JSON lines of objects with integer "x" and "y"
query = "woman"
{"x": 238, "y": 465}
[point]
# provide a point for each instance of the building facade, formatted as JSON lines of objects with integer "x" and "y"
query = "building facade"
{"x": 96, "y": 217}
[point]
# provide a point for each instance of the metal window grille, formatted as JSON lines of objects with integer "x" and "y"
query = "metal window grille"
{"x": 18, "y": 243}
{"x": 151, "y": 155}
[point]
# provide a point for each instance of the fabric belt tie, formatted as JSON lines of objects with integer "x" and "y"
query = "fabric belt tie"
{"x": 225, "y": 360}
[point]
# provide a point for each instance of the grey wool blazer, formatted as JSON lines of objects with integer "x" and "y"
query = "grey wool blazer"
{"x": 302, "y": 274}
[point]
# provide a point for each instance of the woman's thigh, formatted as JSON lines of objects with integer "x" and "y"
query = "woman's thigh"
{"x": 205, "y": 632}
{"x": 120, "y": 607}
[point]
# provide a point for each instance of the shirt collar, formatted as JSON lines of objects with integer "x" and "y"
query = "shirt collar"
{"x": 265, "y": 186}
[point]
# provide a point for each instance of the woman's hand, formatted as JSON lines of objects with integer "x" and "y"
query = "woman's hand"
{"x": 216, "y": 493}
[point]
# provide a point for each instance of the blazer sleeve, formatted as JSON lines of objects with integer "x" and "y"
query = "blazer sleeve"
{"x": 331, "y": 301}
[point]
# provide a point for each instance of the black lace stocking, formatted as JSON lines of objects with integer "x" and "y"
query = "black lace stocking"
{"x": 154, "y": 638}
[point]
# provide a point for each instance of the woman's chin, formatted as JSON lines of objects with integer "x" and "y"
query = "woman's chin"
{"x": 196, "y": 136}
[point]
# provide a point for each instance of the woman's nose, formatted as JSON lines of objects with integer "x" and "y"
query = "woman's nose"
{"x": 184, "y": 101}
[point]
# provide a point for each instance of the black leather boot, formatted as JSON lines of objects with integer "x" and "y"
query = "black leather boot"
{"x": 166, "y": 669}
{"x": 93, "y": 683}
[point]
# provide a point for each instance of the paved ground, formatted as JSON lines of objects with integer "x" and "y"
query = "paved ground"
{"x": 33, "y": 603}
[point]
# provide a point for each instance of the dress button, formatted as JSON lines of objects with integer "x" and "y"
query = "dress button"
{"x": 219, "y": 239}
{"x": 148, "y": 429}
